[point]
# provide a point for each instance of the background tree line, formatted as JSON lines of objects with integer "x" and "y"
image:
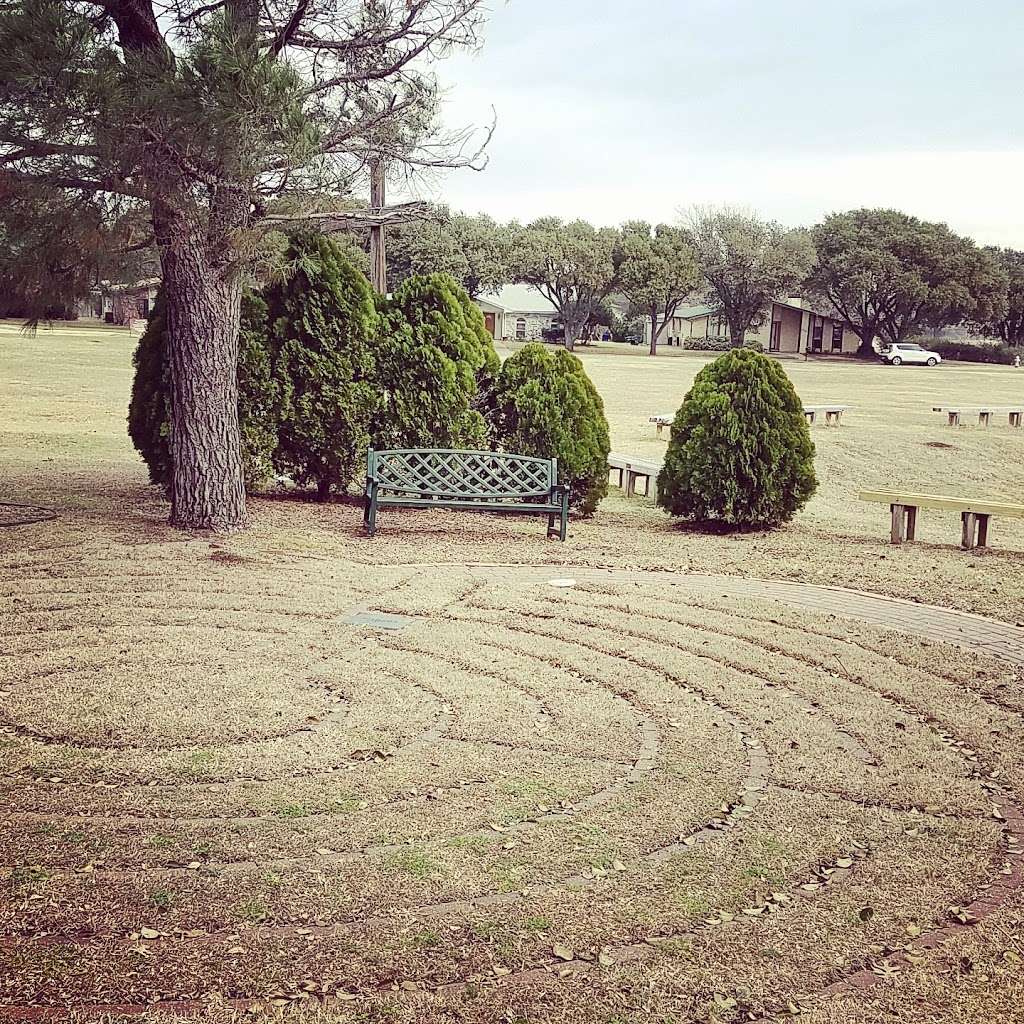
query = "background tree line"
{"x": 883, "y": 274}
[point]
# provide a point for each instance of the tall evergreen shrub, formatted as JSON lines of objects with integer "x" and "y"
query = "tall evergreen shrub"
{"x": 546, "y": 405}
{"x": 322, "y": 324}
{"x": 740, "y": 454}
{"x": 434, "y": 364}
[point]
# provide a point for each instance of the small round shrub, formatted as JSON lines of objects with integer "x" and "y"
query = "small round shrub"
{"x": 741, "y": 453}
{"x": 435, "y": 366}
{"x": 546, "y": 405}
{"x": 322, "y": 321}
{"x": 148, "y": 417}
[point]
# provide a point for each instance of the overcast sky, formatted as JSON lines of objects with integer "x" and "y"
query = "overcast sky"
{"x": 611, "y": 111}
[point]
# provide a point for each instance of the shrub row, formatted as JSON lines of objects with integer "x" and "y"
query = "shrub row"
{"x": 707, "y": 344}
{"x": 326, "y": 369}
{"x": 975, "y": 352}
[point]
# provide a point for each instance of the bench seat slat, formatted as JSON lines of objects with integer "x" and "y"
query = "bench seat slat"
{"x": 458, "y": 503}
{"x": 994, "y": 508}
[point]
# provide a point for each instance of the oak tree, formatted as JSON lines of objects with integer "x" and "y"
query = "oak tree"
{"x": 572, "y": 265}
{"x": 1004, "y": 319}
{"x": 656, "y": 272}
{"x": 747, "y": 262}
{"x": 891, "y": 275}
{"x": 472, "y": 250}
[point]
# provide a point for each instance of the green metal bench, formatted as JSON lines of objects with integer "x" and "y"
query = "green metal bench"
{"x": 479, "y": 481}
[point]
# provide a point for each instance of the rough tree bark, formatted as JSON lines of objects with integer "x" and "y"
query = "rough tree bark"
{"x": 203, "y": 313}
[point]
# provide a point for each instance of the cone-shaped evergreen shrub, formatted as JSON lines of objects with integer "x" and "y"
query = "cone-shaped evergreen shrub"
{"x": 546, "y": 405}
{"x": 322, "y": 322}
{"x": 435, "y": 361}
{"x": 148, "y": 424}
{"x": 740, "y": 453}
{"x": 148, "y": 419}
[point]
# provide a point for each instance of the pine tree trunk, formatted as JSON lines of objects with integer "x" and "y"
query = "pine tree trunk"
{"x": 203, "y": 312}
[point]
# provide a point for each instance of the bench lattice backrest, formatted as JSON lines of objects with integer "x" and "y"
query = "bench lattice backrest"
{"x": 462, "y": 474}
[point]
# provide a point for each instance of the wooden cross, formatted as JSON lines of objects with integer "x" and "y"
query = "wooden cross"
{"x": 378, "y": 243}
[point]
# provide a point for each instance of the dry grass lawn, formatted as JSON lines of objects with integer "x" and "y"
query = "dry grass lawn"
{"x": 596, "y": 804}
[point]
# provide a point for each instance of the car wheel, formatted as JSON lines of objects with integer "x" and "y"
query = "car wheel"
{"x": 932, "y": 361}
{"x": 895, "y": 361}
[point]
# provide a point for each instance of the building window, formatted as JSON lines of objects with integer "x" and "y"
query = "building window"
{"x": 837, "y": 337}
{"x": 521, "y": 329}
{"x": 818, "y": 328}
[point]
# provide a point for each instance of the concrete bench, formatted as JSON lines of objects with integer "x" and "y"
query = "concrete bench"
{"x": 632, "y": 469}
{"x": 974, "y": 515}
{"x": 833, "y": 413}
{"x": 1014, "y": 413}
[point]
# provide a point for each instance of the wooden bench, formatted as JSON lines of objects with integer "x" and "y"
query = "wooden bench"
{"x": 473, "y": 481}
{"x": 632, "y": 469}
{"x": 974, "y": 515}
{"x": 1015, "y": 413}
{"x": 833, "y": 413}
{"x": 661, "y": 422}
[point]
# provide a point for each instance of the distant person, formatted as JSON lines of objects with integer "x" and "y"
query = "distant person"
{"x": 1016, "y": 361}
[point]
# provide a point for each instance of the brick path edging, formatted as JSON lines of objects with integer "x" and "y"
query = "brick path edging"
{"x": 931, "y": 622}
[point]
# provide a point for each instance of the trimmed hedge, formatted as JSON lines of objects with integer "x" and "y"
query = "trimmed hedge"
{"x": 707, "y": 344}
{"x": 546, "y": 405}
{"x": 975, "y": 352}
{"x": 740, "y": 454}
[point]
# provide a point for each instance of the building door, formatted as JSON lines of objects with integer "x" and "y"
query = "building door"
{"x": 775, "y": 341}
{"x": 837, "y": 337}
{"x": 817, "y": 331}
{"x": 489, "y": 323}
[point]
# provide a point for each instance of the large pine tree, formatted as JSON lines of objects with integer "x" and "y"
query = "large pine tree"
{"x": 221, "y": 120}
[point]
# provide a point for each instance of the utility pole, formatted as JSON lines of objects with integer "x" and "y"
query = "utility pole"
{"x": 378, "y": 252}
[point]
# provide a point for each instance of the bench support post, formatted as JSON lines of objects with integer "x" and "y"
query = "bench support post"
{"x": 982, "y": 530}
{"x": 809, "y": 413}
{"x": 970, "y": 530}
{"x": 983, "y": 418}
{"x": 1015, "y": 418}
{"x": 911, "y": 521}
{"x": 898, "y": 524}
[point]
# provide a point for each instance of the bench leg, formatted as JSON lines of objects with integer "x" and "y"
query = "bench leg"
{"x": 1015, "y": 419}
{"x": 810, "y": 418}
{"x": 983, "y": 418}
{"x": 899, "y": 524}
{"x": 954, "y": 419}
{"x": 969, "y": 532}
{"x": 982, "y": 531}
{"x": 659, "y": 427}
{"x": 370, "y": 515}
{"x": 911, "y": 522}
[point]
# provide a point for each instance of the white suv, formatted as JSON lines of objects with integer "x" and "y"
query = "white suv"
{"x": 904, "y": 352}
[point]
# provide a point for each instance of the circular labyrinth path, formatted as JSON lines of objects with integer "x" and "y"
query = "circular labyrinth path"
{"x": 490, "y": 794}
